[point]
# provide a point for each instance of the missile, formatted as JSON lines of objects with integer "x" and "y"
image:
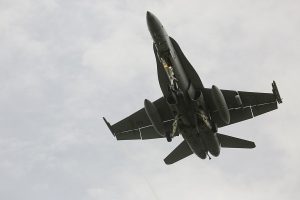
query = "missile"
{"x": 220, "y": 104}
{"x": 154, "y": 117}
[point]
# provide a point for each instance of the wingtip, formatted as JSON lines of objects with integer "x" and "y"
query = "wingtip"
{"x": 109, "y": 126}
{"x": 276, "y": 92}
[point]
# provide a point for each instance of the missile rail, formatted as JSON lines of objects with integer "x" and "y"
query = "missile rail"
{"x": 276, "y": 92}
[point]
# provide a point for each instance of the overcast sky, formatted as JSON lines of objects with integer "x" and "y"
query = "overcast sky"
{"x": 65, "y": 64}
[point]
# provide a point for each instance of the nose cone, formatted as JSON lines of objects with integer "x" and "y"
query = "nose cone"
{"x": 151, "y": 21}
{"x": 148, "y": 13}
{"x": 155, "y": 27}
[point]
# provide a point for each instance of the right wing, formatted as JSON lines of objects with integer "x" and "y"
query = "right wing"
{"x": 251, "y": 104}
{"x": 138, "y": 126}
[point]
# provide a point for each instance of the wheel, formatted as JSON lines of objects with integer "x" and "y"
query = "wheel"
{"x": 168, "y": 136}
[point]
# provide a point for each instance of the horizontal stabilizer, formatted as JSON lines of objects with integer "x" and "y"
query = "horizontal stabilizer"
{"x": 181, "y": 151}
{"x": 232, "y": 142}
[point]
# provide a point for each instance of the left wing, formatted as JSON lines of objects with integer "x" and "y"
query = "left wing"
{"x": 243, "y": 105}
{"x": 181, "y": 151}
{"x": 138, "y": 126}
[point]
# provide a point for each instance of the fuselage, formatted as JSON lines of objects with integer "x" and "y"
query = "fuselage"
{"x": 183, "y": 95}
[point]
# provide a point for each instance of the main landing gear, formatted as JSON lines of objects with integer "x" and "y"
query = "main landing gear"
{"x": 168, "y": 136}
{"x": 175, "y": 130}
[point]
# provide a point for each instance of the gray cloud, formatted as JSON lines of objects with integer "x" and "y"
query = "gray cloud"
{"x": 66, "y": 64}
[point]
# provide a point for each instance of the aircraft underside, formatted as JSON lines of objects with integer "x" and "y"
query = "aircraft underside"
{"x": 188, "y": 108}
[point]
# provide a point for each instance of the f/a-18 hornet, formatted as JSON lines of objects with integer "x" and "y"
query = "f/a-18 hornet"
{"x": 188, "y": 108}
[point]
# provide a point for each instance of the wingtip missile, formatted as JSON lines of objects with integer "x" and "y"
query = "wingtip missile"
{"x": 109, "y": 126}
{"x": 276, "y": 92}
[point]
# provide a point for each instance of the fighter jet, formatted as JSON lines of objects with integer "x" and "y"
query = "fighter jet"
{"x": 189, "y": 109}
